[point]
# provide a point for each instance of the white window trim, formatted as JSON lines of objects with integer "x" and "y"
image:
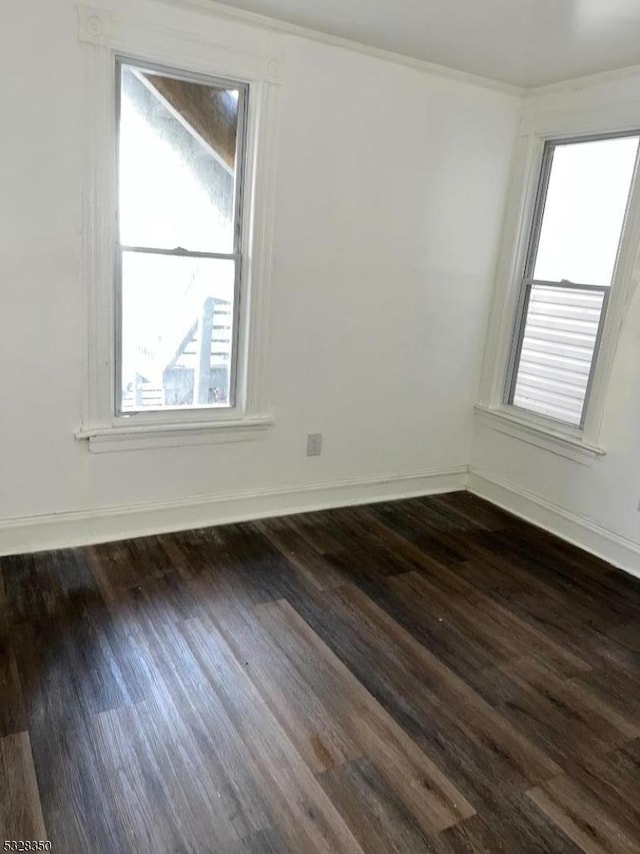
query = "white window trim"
{"x": 561, "y": 122}
{"x": 107, "y": 35}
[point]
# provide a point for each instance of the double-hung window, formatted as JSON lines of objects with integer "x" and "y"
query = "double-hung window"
{"x": 179, "y": 254}
{"x": 178, "y": 219}
{"x": 570, "y": 268}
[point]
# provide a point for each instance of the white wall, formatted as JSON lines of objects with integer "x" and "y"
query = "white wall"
{"x": 388, "y": 210}
{"x": 594, "y": 503}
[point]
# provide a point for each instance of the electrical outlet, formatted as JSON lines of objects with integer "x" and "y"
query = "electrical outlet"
{"x": 314, "y": 444}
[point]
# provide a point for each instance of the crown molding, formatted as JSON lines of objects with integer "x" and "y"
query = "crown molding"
{"x": 241, "y": 16}
{"x": 276, "y": 25}
{"x": 587, "y": 81}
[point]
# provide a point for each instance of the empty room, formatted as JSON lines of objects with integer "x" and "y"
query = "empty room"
{"x": 320, "y": 458}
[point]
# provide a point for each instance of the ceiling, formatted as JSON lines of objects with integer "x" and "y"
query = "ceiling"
{"x": 520, "y": 42}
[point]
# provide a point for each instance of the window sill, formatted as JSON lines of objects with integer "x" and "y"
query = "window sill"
{"x": 138, "y": 437}
{"x": 571, "y": 446}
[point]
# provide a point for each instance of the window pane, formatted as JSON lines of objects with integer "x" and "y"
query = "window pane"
{"x": 177, "y": 162}
{"x": 557, "y": 350}
{"x": 584, "y": 211}
{"x": 177, "y": 322}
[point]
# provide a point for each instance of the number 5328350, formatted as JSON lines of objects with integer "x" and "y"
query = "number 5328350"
{"x": 26, "y": 845}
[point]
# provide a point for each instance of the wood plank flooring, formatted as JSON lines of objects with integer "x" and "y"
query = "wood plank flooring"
{"x": 430, "y": 675}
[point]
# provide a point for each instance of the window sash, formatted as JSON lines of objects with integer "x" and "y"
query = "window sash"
{"x": 238, "y": 238}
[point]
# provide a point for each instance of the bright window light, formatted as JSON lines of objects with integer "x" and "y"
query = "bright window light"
{"x": 179, "y": 248}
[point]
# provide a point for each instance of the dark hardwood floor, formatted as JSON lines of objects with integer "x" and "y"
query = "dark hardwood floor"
{"x": 429, "y": 675}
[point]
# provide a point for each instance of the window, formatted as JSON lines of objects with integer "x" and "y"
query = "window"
{"x": 178, "y": 188}
{"x": 570, "y": 268}
{"x": 181, "y": 153}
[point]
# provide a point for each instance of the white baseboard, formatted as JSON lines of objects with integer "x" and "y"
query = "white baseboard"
{"x": 82, "y": 527}
{"x": 578, "y": 530}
